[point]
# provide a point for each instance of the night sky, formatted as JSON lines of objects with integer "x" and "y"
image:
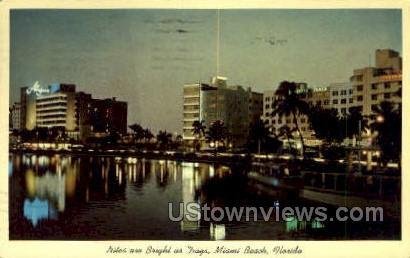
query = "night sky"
{"x": 145, "y": 56}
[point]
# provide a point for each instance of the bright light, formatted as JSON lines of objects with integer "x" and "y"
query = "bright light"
{"x": 380, "y": 119}
{"x": 318, "y": 159}
{"x": 37, "y": 89}
{"x": 212, "y": 144}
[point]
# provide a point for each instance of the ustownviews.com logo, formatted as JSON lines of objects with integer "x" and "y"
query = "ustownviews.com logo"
{"x": 193, "y": 211}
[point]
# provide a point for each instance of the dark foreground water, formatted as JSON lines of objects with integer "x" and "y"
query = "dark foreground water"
{"x": 110, "y": 198}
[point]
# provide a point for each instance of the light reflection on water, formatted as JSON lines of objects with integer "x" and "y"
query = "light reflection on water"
{"x": 63, "y": 197}
{"x": 49, "y": 191}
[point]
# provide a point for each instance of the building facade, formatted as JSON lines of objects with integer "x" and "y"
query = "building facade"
{"x": 59, "y": 105}
{"x": 372, "y": 85}
{"x": 341, "y": 97}
{"x": 57, "y": 108}
{"x": 191, "y": 110}
{"x": 255, "y": 109}
{"x": 276, "y": 123}
{"x": 235, "y": 106}
{"x": 367, "y": 88}
{"x": 108, "y": 115}
{"x": 15, "y": 116}
{"x": 281, "y": 125}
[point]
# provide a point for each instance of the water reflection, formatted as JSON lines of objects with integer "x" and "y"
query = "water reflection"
{"x": 50, "y": 187}
{"x": 37, "y": 210}
{"x": 63, "y": 197}
{"x": 217, "y": 231}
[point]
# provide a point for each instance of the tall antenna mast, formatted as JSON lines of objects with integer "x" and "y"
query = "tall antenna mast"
{"x": 217, "y": 41}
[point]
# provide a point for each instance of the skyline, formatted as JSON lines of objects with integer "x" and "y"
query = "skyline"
{"x": 108, "y": 57}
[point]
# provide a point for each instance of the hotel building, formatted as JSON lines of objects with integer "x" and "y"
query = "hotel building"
{"x": 341, "y": 97}
{"x": 276, "y": 122}
{"x": 233, "y": 105}
{"x": 372, "y": 85}
{"x": 59, "y": 105}
{"x": 367, "y": 88}
{"x": 255, "y": 109}
{"x": 57, "y": 108}
{"x": 191, "y": 110}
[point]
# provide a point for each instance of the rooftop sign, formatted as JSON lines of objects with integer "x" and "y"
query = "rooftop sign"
{"x": 37, "y": 89}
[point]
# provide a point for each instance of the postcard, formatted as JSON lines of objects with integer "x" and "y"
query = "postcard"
{"x": 183, "y": 129}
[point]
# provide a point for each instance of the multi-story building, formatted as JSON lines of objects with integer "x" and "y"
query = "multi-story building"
{"x": 191, "y": 110}
{"x": 233, "y": 105}
{"x": 108, "y": 115}
{"x": 57, "y": 108}
{"x": 371, "y": 85}
{"x": 255, "y": 110}
{"x": 15, "y": 116}
{"x": 229, "y": 104}
{"x": 83, "y": 106}
{"x": 341, "y": 97}
{"x": 276, "y": 123}
{"x": 59, "y": 105}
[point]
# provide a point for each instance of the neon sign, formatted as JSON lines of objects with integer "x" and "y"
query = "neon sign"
{"x": 390, "y": 77}
{"x": 37, "y": 89}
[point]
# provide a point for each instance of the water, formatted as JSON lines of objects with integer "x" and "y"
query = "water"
{"x": 113, "y": 198}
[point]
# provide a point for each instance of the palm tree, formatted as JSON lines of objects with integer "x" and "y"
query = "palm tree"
{"x": 288, "y": 102}
{"x": 353, "y": 121}
{"x": 388, "y": 127}
{"x": 199, "y": 132}
{"x": 327, "y": 124}
{"x": 147, "y": 135}
{"x": 138, "y": 132}
{"x": 217, "y": 132}
{"x": 164, "y": 139}
{"x": 258, "y": 134}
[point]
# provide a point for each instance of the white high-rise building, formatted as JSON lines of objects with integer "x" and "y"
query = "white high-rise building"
{"x": 191, "y": 110}
{"x": 235, "y": 106}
